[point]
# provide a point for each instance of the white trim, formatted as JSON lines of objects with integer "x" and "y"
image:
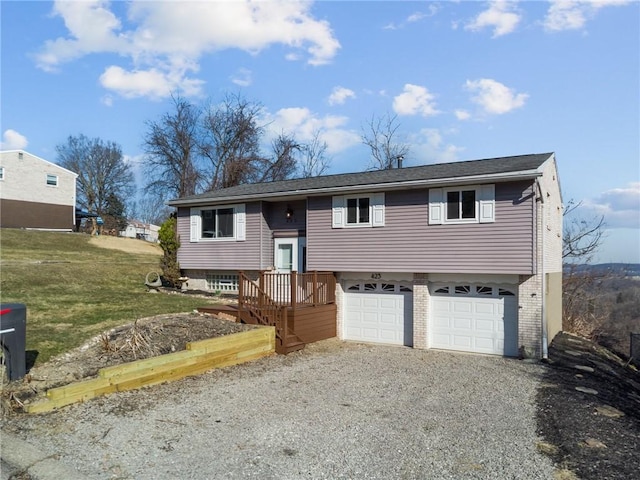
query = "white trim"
{"x": 484, "y": 204}
{"x": 339, "y": 213}
{"x": 239, "y": 223}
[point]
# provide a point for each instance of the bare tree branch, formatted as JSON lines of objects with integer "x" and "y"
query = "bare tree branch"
{"x": 380, "y": 135}
{"x": 314, "y": 161}
{"x": 581, "y": 238}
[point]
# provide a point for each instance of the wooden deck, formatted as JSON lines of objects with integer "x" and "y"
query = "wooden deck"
{"x": 301, "y": 306}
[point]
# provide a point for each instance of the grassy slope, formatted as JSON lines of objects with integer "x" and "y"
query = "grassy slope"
{"x": 74, "y": 290}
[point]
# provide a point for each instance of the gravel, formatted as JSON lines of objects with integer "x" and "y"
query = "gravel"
{"x": 335, "y": 410}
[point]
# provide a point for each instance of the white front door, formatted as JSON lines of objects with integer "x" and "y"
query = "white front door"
{"x": 289, "y": 254}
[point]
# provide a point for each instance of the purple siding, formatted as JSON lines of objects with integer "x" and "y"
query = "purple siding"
{"x": 275, "y": 213}
{"x": 225, "y": 255}
{"x": 407, "y": 243}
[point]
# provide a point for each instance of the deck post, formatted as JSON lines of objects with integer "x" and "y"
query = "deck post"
{"x": 294, "y": 290}
{"x": 315, "y": 288}
{"x": 240, "y": 295}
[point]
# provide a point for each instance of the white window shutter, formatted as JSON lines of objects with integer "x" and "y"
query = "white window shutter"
{"x": 487, "y": 204}
{"x": 337, "y": 212}
{"x": 436, "y": 206}
{"x": 195, "y": 225}
{"x": 377, "y": 206}
{"x": 241, "y": 222}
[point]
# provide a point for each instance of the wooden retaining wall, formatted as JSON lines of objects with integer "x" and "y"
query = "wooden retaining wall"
{"x": 198, "y": 358}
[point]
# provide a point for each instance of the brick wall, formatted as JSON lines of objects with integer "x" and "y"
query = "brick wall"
{"x": 421, "y": 299}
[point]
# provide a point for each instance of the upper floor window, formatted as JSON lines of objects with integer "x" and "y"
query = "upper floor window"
{"x": 218, "y": 223}
{"x": 358, "y": 211}
{"x": 461, "y": 205}
{"x": 1, "y": 173}
{"x": 472, "y": 204}
{"x": 52, "y": 180}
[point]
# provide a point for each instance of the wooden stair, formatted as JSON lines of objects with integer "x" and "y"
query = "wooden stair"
{"x": 230, "y": 312}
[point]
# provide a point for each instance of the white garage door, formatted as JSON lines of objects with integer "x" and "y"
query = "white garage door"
{"x": 474, "y": 318}
{"x": 379, "y": 312}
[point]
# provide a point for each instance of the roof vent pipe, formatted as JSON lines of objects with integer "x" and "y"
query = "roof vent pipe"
{"x": 400, "y": 158}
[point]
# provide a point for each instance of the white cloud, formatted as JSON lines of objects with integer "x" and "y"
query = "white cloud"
{"x": 428, "y": 146}
{"x": 168, "y": 38}
{"x": 12, "y": 140}
{"x": 619, "y": 206}
{"x": 573, "y": 15}
{"x": 415, "y": 100}
{"x": 339, "y": 95}
{"x": 494, "y": 97}
{"x": 242, "y": 77}
{"x": 303, "y": 124}
{"x": 501, "y": 15}
{"x": 462, "y": 115}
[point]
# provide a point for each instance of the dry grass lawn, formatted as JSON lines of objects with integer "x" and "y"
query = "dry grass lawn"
{"x": 76, "y": 286}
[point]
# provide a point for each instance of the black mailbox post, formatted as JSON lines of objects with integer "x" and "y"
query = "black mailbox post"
{"x": 13, "y": 337}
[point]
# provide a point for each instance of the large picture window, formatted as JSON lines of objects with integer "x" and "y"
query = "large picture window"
{"x": 217, "y": 223}
{"x": 224, "y": 223}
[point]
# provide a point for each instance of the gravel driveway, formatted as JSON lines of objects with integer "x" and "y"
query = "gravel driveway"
{"x": 334, "y": 410}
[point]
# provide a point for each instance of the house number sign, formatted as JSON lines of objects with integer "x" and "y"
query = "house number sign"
{"x": 376, "y": 276}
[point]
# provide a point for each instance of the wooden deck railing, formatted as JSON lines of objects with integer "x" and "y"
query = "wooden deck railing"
{"x": 275, "y": 297}
{"x": 256, "y": 306}
{"x": 299, "y": 289}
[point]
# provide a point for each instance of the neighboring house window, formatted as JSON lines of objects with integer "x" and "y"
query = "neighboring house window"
{"x": 358, "y": 211}
{"x": 473, "y": 204}
{"x": 1, "y": 173}
{"x": 218, "y": 223}
{"x": 52, "y": 180}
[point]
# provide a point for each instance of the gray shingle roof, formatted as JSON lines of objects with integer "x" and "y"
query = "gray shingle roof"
{"x": 434, "y": 172}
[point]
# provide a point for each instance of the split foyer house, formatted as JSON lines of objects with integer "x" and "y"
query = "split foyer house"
{"x": 459, "y": 256}
{"x": 35, "y": 193}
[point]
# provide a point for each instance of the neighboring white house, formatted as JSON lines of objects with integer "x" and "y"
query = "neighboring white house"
{"x": 35, "y": 193}
{"x": 141, "y": 231}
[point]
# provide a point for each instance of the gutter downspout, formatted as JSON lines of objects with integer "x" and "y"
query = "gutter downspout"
{"x": 545, "y": 348}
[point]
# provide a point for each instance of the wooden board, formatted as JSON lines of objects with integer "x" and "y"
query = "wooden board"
{"x": 200, "y": 357}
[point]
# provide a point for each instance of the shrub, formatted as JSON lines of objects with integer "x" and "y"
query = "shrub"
{"x": 170, "y": 242}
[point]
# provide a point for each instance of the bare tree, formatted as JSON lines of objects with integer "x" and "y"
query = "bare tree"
{"x": 585, "y": 308}
{"x": 380, "y": 135}
{"x": 171, "y": 150}
{"x": 284, "y": 163}
{"x": 231, "y": 141}
{"x": 314, "y": 161}
{"x": 581, "y": 237}
{"x": 151, "y": 209}
{"x": 105, "y": 181}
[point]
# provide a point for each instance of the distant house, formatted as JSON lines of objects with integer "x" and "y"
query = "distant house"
{"x": 35, "y": 193}
{"x": 458, "y": 256}
{"x": 141, "y": 231}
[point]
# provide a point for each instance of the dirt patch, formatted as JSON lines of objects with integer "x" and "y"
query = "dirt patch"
{"x": 589, "y": 410}
{"x": 129, "y": 245}
{"x": 144, "y": 338}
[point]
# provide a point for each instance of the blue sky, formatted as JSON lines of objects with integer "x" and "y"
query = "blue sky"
{"x": 467, "y": 80}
